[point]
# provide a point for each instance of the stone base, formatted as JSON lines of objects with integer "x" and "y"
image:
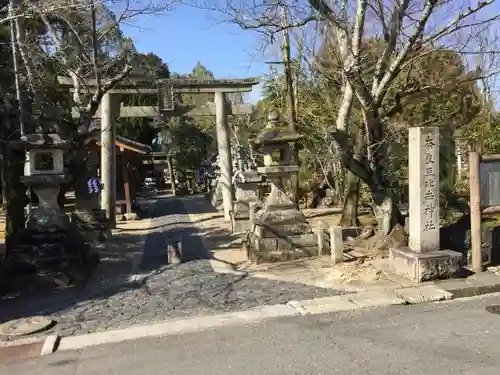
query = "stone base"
{"x": 281, "y": 232}
{"x": 131, "y": 216}
{"x": 269, "y": 250}
{"x": 420, "y": 267}
{"x": 240, "y": 225}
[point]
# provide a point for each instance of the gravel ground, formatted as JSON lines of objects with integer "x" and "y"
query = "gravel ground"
{"x": 158, "y": 291}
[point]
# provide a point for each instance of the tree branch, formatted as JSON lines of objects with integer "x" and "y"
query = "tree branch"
{"x": 391, "y": 39}
{"x": 96, "y": 98}
{"x": 95, "y": 47}
{"x": 276, "y": 26}
{"x": 346, "y": 148}
{"x": 453, "y": 25}
{"x": 396, "y": 64}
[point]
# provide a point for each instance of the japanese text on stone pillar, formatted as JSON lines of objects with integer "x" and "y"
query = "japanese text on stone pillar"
{"x": 430, "y": 175}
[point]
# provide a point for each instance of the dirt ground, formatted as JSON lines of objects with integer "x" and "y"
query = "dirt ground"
{"x": 354, "y": 274}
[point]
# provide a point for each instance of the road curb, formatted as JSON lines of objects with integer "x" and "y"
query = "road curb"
{"x": 50, "y": 345}
{"x": 190, "y": 325}
{"x": 315, "y": 306}
{"x": 423, "y": 294}
{"x": 19, "y": 351}
{"x": 347, "y": 302}
{"x": 459, "y": 290}
{"x": 176, "y": 327}
{"x": 29, "y": 347}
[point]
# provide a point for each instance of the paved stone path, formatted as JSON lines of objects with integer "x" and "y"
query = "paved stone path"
{"x": 157, "y": 291}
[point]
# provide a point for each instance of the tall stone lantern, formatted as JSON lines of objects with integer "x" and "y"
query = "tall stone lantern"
{"x": 280, "y": 231}
{"x": 44, "y": 173}
{"x": 48, "y": 242}
{"x": 164, "y": 150}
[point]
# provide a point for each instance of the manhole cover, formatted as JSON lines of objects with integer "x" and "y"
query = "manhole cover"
{"x": 493, "y": 309}
{"x": 25, "y": 326}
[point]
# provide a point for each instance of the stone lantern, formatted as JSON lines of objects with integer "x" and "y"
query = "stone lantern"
{"x": 280, "y": 231}
{"x": 164, "y": 150}
{"x": 44, "y": 173}
{"x": 49, "y": 243}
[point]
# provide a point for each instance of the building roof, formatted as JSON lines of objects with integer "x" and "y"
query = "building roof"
{"x": 131, "y": 145}
{"x": 127, "y": 144}
{"x": 122, "y": 142}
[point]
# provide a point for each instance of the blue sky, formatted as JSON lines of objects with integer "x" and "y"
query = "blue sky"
{"x": 188, "y": 35}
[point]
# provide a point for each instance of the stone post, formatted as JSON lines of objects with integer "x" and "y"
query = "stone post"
{"x": 424, "y": 260}
{"x": 170, "y": 166}
{"x": 247, "y": 191}
{"x": 336, "y": 244}
{"x": 423, "y": 159}
{"x": 110, "y": 109}
{"x": 320, "y": 231}
{"x": 224, "y": 146}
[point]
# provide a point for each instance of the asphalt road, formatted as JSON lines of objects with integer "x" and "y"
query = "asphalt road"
{"x": 458, "y": 337}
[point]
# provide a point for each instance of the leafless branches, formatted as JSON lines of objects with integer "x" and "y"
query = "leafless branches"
{"x": 83, "y": 39}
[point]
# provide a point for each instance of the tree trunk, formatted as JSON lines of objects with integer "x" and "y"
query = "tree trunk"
{"x": 4, "y": 176}
{"x": 390, "y": 221}
{"x": 337, "y": 183}
{"x": 16, "y": 196}
{"x": 369, "y": 167}
{"x": 349, "y": 216}
{"x": 386, "y": 210}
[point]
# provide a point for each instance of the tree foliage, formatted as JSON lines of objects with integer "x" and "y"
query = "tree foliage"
{"x": 393, "y": 65}
{"x": 145, "y": 66}
{"x": 79, "y": 39}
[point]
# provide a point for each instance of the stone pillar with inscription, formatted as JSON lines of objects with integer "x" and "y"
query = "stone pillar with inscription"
{"x": 423, "y": 260}
{"x": 423, "y": 156}
{"x": 280, "y": 231}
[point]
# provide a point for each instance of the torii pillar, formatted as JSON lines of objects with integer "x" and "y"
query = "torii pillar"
{"x": 220, "y": 87}
{"x": 110, "y": 110}
{"x": 224, "y": 147}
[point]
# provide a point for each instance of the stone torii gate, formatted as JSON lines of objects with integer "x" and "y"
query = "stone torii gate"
{"x": 166, "y": 89}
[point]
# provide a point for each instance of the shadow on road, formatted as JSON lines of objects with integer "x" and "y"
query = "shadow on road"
{"x": 135, "y": 284}
{"x": 115, "y": 273}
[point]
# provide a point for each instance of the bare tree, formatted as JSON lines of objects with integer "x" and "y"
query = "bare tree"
{"x": 84, "y": 38}
{"x": 76, "y": 38}
{"x": 409, "y": 29}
